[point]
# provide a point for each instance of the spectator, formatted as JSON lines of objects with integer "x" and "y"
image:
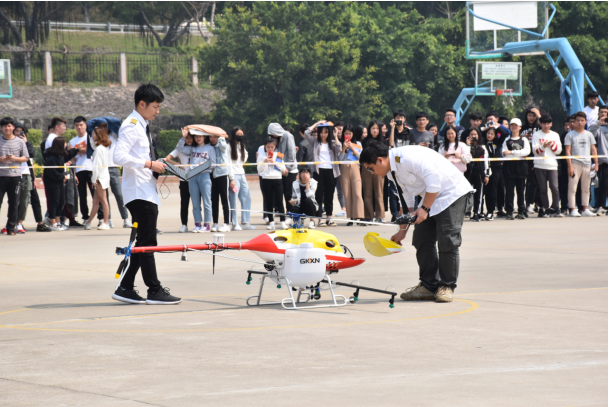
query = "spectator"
{"x": 501, "y": 131}
{"x": 285, "y": 146}
{"x": 450, "y": 116}
{"x": 183, "y": 159}
{"x": 271, "y": 185}
{"x": 326, "y": 149}
{"x": 115, "y": 186}
{"x": 238, "y": 156}
{"x": 579, "y": 141}
{"x": 475, "y": 120}
{"x": 546, "y": 143}
{"x": 504, "y": 121}
{"x": 54, "y": 178}
{"x": 199, "y": 186}
{"x": 101, "y": 176}
{"x": 591, "y": 110}
{"x": 433, "y": 128}
{"x": 57, "y": 128}
{"x": 83, "y": 170}
{"x": 13, "y": 152}
{"x": 305, "y": 150}
{"x": 350, "y": 176}
{"x": 398, "y": 135}
{"x": 374, "y": 209}
{"x": 222, "y": 179}
{"x": 495, "y": 181}
{"x": 479, "y": 172}
{"x": 515, "y": 172}
{"x": 26, "y": 179}
{"x": 530, "y": 127}
{"x": 303, "y": 195}
{"x": 455, "y": 151}
{"x": 600, "y": 132}
{"x": 563, "y": 175}
{"x": 421, "y": 136}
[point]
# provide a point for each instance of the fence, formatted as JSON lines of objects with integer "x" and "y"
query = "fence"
{"x": 117, "y": 28}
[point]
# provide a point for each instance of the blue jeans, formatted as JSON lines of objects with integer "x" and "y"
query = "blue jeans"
{"x": 200, "y": 187}
{"x": 244, "y": 198}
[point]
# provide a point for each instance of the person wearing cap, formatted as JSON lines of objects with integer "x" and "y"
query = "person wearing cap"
{"x": 446, "y": 196}
{"x": 515, "y": 172}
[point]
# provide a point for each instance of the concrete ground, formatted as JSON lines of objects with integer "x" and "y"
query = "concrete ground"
{"x": 528, "y": 326}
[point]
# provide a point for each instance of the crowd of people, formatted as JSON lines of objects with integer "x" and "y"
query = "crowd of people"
{"x": 548, "y": 186}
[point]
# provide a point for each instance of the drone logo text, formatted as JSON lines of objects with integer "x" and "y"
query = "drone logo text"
{"x": 305, "y": 261}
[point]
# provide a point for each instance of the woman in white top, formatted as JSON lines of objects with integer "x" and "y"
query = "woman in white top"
{"x": 271, "y": 183}
{"x": 238, "y": 155}
{"x": 453, "y": 150}
{"x": 183, "y": 159}
{"x": 101, "y": 176}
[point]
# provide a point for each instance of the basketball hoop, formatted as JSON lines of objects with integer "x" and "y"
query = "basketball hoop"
{"x": 498, "y": 92}
{"x": 507, "y": 96}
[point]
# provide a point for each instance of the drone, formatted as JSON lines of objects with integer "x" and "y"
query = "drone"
{"x": 303, "y": 259}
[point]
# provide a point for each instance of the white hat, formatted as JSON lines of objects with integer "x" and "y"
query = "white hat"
{"x": 516, "y": 121}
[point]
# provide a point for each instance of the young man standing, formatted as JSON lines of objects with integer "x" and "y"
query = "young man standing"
{"x": 546, "y": 143}
{"x": 600, "y": 133}
{"x": 58, "y": 127}
{"x": 563, "y": 176}
{"x": 135, "y": 151}
{"x": 421, "y": 136}
{"x": 13, "y": 152}
{"x": 579, "y": 141}
{"x": 591, "y": 110}
{"x": 84, "y": 168}
{"x": 398, "y": 135}
{"x": 287, "y": 147}
{"x": 450, "y": 116}
{"x": 515, "y": 172}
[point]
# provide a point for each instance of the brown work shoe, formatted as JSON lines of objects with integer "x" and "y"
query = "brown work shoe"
{"x": 417, "y": 293}
{"x": 444, "y": 294}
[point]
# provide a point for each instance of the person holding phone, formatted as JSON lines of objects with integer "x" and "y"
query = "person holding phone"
{"x": 454, "y": 151}
{"x": 271, "y": 184}
{"x": 350, "y": 175}
{"x": 531, "y": 126}
{"x": 303, "y": 194}
{"x": 599, "y": 130}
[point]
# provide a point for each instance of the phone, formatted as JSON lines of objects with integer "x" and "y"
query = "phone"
{"x": 398, "y": 122}
{"x": 489, "y": 124}
{"x": 347, "y": 138}
{"x": 270, "y": 155}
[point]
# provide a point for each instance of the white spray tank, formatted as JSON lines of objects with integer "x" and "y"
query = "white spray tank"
{"x": 304, "y": 265}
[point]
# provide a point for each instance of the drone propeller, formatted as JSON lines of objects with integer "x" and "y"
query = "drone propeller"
{"x": 402, "y": 220}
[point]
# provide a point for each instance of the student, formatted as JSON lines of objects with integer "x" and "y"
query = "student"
{"x": 271, "y": 184}
{"x": 183, "y": 159}
{"x": 350, "y": 175}
{"x": 57, "y": 128}
{"x": 398, "y": 135}
{"x": 13, "y": 152}
{"x": 303, "y": 195}
{"x": 501, "y": 130}
{"x": 420, "y": 136}
{"x": 515, "y": 172}
{"x": 285, "y": 146}
{"x": 579, "y": 141}
{"x": 600, "y": 134}
{"x": 433, "y": 129}
{"x": 238, "y": 156}
{"x": 374, "y": 209}
{"x": 563, "y": 176}
{"x": 115, "y": 186}
{"x": 222, "y": 180}
{"x": 450, "y": 116}
{"x": 493, "y": 147}
{"x": 326, "y": 149}
{"x": 501, "y": 125}
{"x": 84, "y": 167}
{"x": 530, "y": 127}
{"x": 199, "y": 186}
{"x": 101, "y": 176}
{"x": 546, "y": 143}
{"x": 478, "y": 173}
{"x": 454, "y": 151}
{"x": 54, "y": 178}
{"x": 26, "y": 179}
{"x": 591, "y": 110}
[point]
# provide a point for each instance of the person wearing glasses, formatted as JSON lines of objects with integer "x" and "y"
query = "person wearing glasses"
{"x": 446, "y": 196}
{"x": 450, "y": 116}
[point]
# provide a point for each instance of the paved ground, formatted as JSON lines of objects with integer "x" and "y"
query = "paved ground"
{"x": 528, "y": 327}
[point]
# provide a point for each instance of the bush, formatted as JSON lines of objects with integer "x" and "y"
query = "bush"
{"x": 168, "y": 139}
{"x": 34, "y": 136}
{"x": 38, "y": 170}
{"x": 69, "y": 134}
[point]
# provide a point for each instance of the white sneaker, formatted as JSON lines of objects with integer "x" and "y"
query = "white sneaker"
{"x": 99, "y": 223}
{"x": 600, "y": 211}
{"x": 127, "y": 224}
{"x": 103, "y": 226}
{"x": 47, "y": 222}
{"x": 588, "y": 213}
{"x": 196, "y": 229}
{"x": 183, "y": 229}
{"x": 224, "y": 228}
{"x": 266, "y": 220}
{"x": 341, "y": 213}
{"x": 87, "y": 226}
{"x": 271, "y": 226}
{"x": 236, "y": 227}
{"x": 284, "y": 226}
{"x": 247, "y": 226}
{"x": 64, "y": 227}
{"x": 66, "y": 222}
{"x": 56, "y": 228}
{"x": 214, "y": 227}
{"x": 530, "y": 209}
{"x": 311, "y": 224}
{"x": 575, "y": 213}
{"x": 110, "y": 224}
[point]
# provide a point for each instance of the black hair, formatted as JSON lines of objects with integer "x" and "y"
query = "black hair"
{"x": 430, "y": 125}
{"x": 6, "y": 121}
{"x": 572, "y": 117}
{"x": 492, "y": 113}
{"x": 494, "y": 130}
{"x": 233, "y": 143}
{"x": 399, "y": 112}
{"x": 421, "y": 114}
{"x": 603, "y": 107}
{"x": 80, "y": 119}
{"x": 467, "y": 132}
{"x": 148, "y": 93}
{"x": 358, "y": 132}
{"x": 372, "y": 123}
{"x": 567, "y": 120}
{"x": 475, "y": 116}
{"x": 445, "y": 142}
{"x": 339, "y": 123}
{"x": 545, "y": 118}
{"x": 373, "y": 151}
{"x": 55, "y": 121}
{"x": 591, "y": 94}
{"x": 450, "y": 109}
{"x": 286, "y": 127}
{"x": 58, "y": 147}
{"x": 347, "y": 127}
{"x": 304, "y": 127}
{"x": 270, "y": 140}
{"x": 580, "y": 114}
{"x": 503, "y": 118}
{"x": 304, "y": 168}
{"x": 21, "y": 125}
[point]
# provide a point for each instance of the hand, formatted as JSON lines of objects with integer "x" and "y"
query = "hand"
{"x": 285, "y": 173}
{"x": 10, "y": 157}
{"x": 468, "y": 141}
{"x": 423, "y": 144}
{"x": 398, "y": 237}
{"x": 292, "y": 201}
{"x": 457, "y": 155}
{"x": 507, "y": 152}
{"x": 308, "y": 186}
{"x": 447, "y": 155}
{"x": 268, "y": 160}
{"x": 596, "y": 167}
{"x": 392, "y": 123}
{"x": 157, "y": 166}
{"x": 296, "y": 148}
{"x": 76, "y": 179}
{"x": 421, "y": 215}
{"x": 93, "y": 185}
{"x": 536, "y": 111}
{"x": 485, "y": 180}
{"x": 231, "y": 184}
{"x": 184, "y": 132}
{"x": 3, "y": 159}
{"x": 570, "y": 170}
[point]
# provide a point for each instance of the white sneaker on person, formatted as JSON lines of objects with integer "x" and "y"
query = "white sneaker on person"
{"x": 321, "y": 224}
{"x": 266, "y": 220}
{"x": 247, "y": 226}
{"x": 103, "y": 226}
{"x": 196, "y": 229}
{"x": 183, "y": 229}
{"x": 127, "y": 224}
{"x": 575, "y": 213}
{"x": 110, "y": 224}
{"x": 588, "y": 213}
{"x": 236, "y": 227}
{"x": 99, "y": 223}
{"x": 271, "y": 226}
{"x": 47, "y": 222}
{"x": 64, "y": 227}
{"x": 599, "y": 211}
{"x": 87, "y": 225}
{"x": 341, "y": 213}
{"x": 224, "y": 228}
{"x": 20, "y": 229}
{"x": 56, "y": 228}
{"x": 66, "y": 222}
{"x": 530, "y": 209}
{"x": 214, "y": 227}
{"x": 311, "y": 224}
{"x": 284, "y": 225}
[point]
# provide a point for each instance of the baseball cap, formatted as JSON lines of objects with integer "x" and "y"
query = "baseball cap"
{"x": 516, "y": 121}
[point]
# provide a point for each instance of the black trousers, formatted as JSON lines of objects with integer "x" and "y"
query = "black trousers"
{"x": 500, "y": 189}
{"x": 510, "y": 184}
{"x": 543, "y": 178}
{"x": 84, "y": 181}
{"x": 184, "y": 202}
{"x": 602, "y": 189}
{"x": 287, "y": 190}
{"x": 533, "y": 195}
{"x": 563, "y": 185}
{"x": 476, "y": 183}
{"x": 490, "y": 189}
{"x": 272, "y": 197}
{"x": 145, "y": 214}
{"x": 11, "y": 186}
{"x": 219, "y": 191}
{"x": 35, "y": 203}
{"x": 57, "y": 196}
{"x": 326, "y": 184}
{"x": 306, "y": 206}
{"x": 439, "y": 267}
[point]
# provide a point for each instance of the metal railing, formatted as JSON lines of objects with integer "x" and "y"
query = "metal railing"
{"x": 111, "y": 28}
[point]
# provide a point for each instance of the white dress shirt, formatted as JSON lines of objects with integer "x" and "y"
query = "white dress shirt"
{"x": 420, "y": 170}
{"x": 84, "y": 163}
{"x": 132, "y": 151}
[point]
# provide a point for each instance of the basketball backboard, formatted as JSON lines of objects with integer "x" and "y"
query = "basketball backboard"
{"x": 498, "y": 78}
{"x": 485, "y": 34}
{"x": 6, "y": 88}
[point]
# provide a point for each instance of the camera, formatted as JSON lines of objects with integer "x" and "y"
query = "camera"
{"x": 489, "y": 124}
{"x": 398, "y": 122}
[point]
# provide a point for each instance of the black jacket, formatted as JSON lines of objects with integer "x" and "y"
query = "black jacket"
{"x": 32, "y": 152}
{"x": 55, "y": 176}
{"x": 494, "y": 149}
{"x": 515, "y": 169}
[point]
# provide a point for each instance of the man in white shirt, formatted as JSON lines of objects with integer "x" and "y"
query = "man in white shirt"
{"x": 135, "y": 151}
{"x": 58, "y": 127}
{"x": 446, "y": 196}
{"x": 592, "y": 109}
{"x": 84, "y": 166}
{"x": 546, "y": 143}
